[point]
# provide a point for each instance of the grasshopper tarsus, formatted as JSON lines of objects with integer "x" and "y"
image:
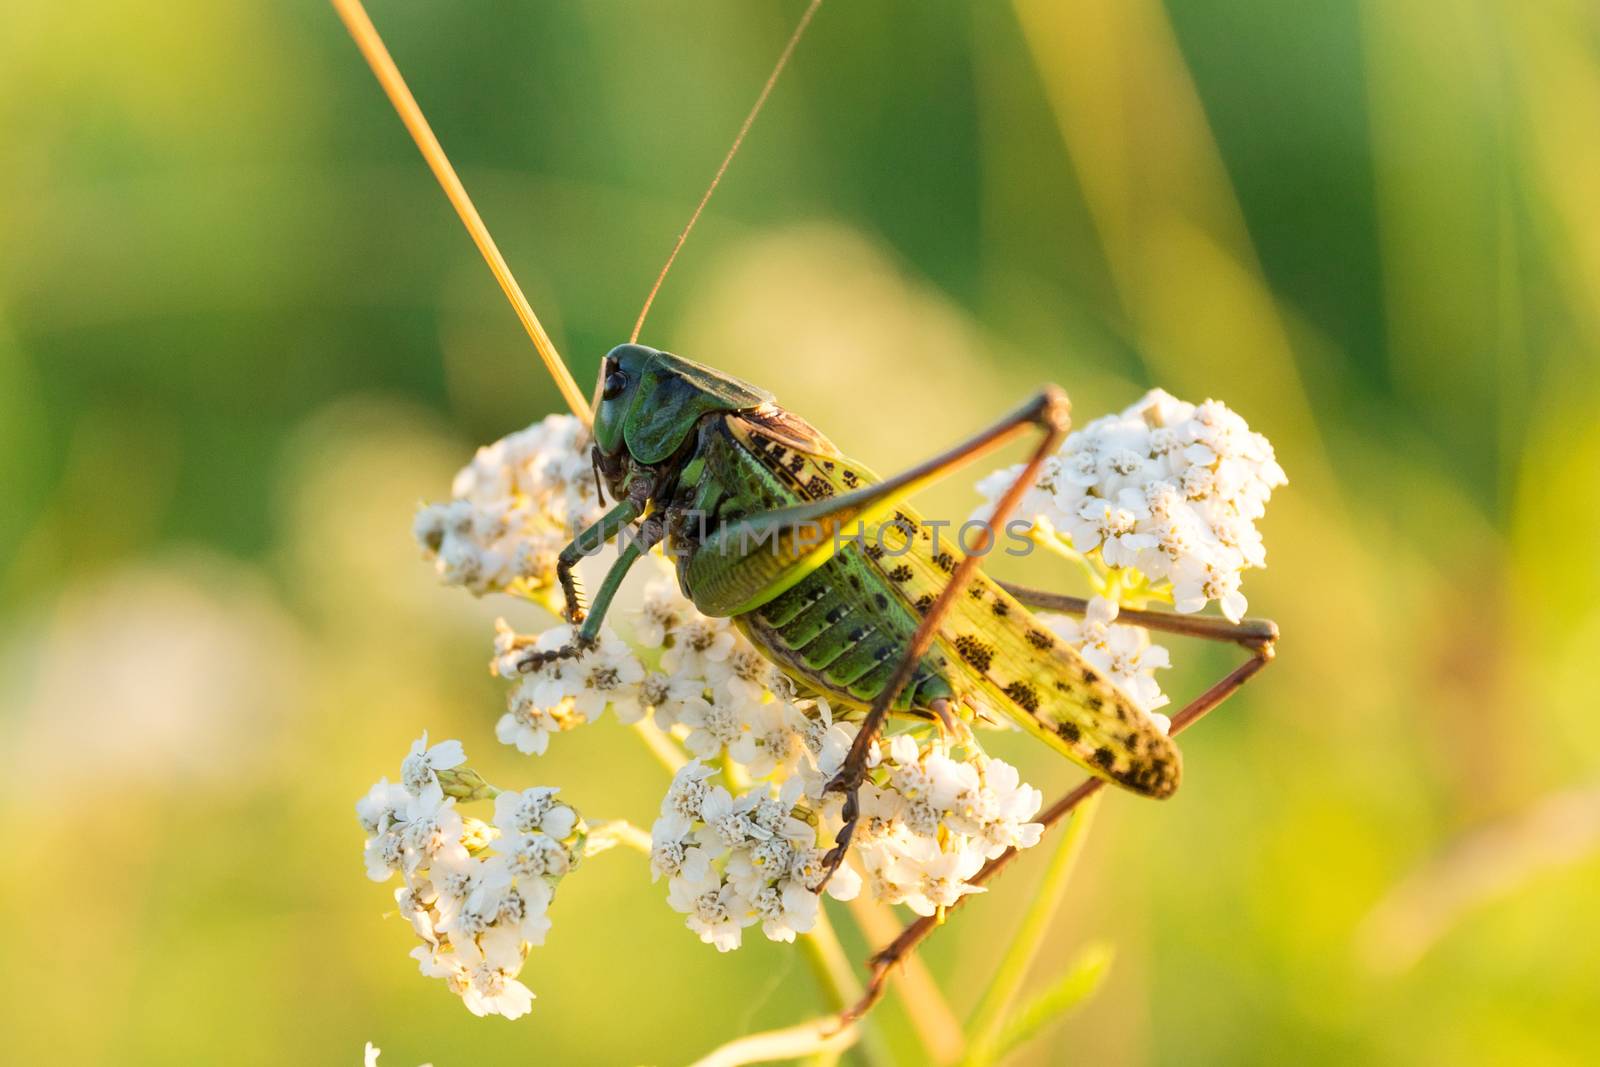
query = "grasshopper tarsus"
{"x": 848, "y": 782}
{"x": 572, "y": 597}
{"x": 843, "y": 782}
{"x": 534, "y": 661}
{"x": 834, "y": 858}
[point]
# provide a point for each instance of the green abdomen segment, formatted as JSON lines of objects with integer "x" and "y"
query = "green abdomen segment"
{"x": 839, "y": 631}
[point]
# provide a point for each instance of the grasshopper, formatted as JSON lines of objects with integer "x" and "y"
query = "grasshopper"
{"x": 823, "y": 566}
{"x": 821, "y": 563}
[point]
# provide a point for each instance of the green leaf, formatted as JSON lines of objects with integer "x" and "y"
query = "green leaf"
{"x": 990, "y": 1018}
{"x": 1063, "y": 995}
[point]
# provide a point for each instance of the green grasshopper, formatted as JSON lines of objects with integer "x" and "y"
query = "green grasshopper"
{"x": 819, "y": 562}
{"x": 826, "y": 570}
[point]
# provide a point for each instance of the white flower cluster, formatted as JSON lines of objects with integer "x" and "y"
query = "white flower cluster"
{"x": 476, "y": 894}
{"x": 929, "y": 822}
{"x": 1167, "y": 488}
{"x": 713, "y": 681}
{"x": 732, "y": 862}
{"x": 562, "y": 694}
{"x": 1123, "y": 653}
{"x": 515, "y": 506}
{"x": 709, "y": 680}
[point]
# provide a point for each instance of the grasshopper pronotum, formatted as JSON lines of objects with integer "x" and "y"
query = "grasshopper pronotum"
{"x": 821, "y": 563}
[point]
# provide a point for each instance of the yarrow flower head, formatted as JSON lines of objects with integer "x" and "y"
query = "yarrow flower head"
{"x": 475, "y": 893}
{"x": 514, "y": 507}
{"x": 1162, "y": 498}
{"x": 709, "y": 679}
{"x": 557, "y": 695}
{"x": 930, "y": 821}
{"x": 735, "y": 861}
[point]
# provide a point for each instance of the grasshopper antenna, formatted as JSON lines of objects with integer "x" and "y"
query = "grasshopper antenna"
{"x": 377, "y": 56}
{"x": 733, "y": 150}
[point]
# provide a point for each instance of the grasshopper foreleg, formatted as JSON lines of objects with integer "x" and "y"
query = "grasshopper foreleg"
{"x": 610, "y": 525}
{"x": 1048, "y": 411}
{"x": 583, "y": 543}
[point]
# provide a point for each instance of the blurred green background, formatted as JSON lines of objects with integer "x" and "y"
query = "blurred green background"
{"x": 242, "y": 335}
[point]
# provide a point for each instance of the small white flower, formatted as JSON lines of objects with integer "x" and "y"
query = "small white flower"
{"x": 673, "y": 852}
{"x": 535, "y": 855}
{"x": 526, "y": 726}
{"x": 713, "y": 725}
{"x": 433, "y": 831}
{"x": 540, "y": 705}
{"x": 696, "y": 645}
{"x": 832, "y": 750}
{"x": 663, "y": 611}
{"x": 785, "y": 910}
{"x": 1125, "y": 653}
{"x": 1196, "y": 582}
{"x": 454, "y": 878}
{"x": 385, "y": 803}
{"x": 608, "y": 676}
{"x": 419, "y": 771}
{"x": 665, "y": 696}
{"x": 727, "y": 823}
{"x": 534, "y": 810}
{"x": 714, "y": 910}
{"x": 415, "y": 906}
{"x": 806, "y": 868}
{"x": 1112, "y": 527}
{"x": 743, "y": 676}
{"x": 771, "y": 742}
{"x": 385, "y": 854}
{"x": 934, "y": 879}
{"x": 493, "y": 988}
{"x": 688, "y": 791}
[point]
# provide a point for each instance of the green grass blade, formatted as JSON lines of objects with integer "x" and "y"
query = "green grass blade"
{"x": 1078, "y": 984}
{"x": 990, "y": 1018}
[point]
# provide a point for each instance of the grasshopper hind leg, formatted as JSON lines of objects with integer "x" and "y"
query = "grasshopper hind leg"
{"x": 1047, "y": 411}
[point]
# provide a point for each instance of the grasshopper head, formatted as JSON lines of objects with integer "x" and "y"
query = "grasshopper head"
{"x": 648, "y": 402}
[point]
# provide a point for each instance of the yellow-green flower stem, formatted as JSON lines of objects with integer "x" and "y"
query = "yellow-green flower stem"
{"x": 1046, "y": 536}
{"x": 660, "y": 744}
{"x": 840, "y": 988}
{"x": 608, "y": 835}
{"x": 936, "y": 1025}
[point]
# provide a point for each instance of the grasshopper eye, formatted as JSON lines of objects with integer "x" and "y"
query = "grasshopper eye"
{"x": 616, "y": 382}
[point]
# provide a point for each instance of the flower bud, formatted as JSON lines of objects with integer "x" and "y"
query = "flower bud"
{"x": 465, "y": 784}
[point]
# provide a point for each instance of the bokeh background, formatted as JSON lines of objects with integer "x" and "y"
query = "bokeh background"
{"x": 242, "y": 336}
